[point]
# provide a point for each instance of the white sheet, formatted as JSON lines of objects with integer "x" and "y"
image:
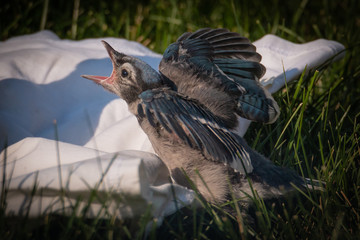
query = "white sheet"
{"x": 53, "y": 121}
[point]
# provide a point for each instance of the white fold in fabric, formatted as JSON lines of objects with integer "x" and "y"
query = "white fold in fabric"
{"x": 281, "y": 57}
{"x": 67, "y": 136}
{"x": 121, "y": 184}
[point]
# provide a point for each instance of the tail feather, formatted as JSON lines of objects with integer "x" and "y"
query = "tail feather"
{"x": 316, "y": 185}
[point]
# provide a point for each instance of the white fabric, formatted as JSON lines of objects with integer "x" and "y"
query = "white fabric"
{"x": 139, "y": 178}
{"x": 279, "y": 55}
{"x": 56, "y": 123}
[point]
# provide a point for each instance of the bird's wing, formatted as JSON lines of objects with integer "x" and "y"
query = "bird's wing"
{"x": 197, "y": 127}
{"x": 227, "y": 58}
{"x": 221, "y": 42}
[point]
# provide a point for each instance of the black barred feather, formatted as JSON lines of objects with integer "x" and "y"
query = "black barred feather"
{"x": 225, "y": 61}
{"x": 194, "y": 125}
{"x": 233, "y": 41}
{"x": 231, "y": 66}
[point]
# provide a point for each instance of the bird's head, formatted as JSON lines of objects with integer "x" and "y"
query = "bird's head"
{"x": 130, "y": 76}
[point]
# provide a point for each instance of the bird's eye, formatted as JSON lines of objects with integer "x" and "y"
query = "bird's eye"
{"x": 124, "y": 73}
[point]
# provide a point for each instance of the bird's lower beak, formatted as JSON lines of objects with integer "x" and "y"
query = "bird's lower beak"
{"x": 96, "y": 79}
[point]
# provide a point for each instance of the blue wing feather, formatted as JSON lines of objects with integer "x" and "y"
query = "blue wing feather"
{"x": 226, "y": 61}
{"x": 194, "y": 125}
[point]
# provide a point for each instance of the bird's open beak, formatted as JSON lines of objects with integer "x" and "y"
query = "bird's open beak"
{"x": 102, "y": 79}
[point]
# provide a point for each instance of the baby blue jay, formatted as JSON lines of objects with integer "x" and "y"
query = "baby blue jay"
{"x": 189, "y": 110}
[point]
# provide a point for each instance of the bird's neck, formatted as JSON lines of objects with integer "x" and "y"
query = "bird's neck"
{"x": 133, "y": 106}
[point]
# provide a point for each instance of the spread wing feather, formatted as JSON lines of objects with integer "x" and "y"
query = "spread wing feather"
{"x": 229, "y": 59}
{"x": 195, "y": 126}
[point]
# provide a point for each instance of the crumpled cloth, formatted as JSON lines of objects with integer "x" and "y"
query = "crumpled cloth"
{"x": 64, "y": 140}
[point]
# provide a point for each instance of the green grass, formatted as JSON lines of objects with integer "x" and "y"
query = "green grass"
{"x": 317, "y": 133}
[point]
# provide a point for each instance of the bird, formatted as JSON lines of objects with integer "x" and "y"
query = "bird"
{"x": 189, "y": 110}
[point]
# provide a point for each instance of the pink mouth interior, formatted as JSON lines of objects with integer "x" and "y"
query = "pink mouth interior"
{"x": 100, "y": 79}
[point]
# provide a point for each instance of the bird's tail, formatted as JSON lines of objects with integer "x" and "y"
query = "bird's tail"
{"x": 315, "y": 185}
